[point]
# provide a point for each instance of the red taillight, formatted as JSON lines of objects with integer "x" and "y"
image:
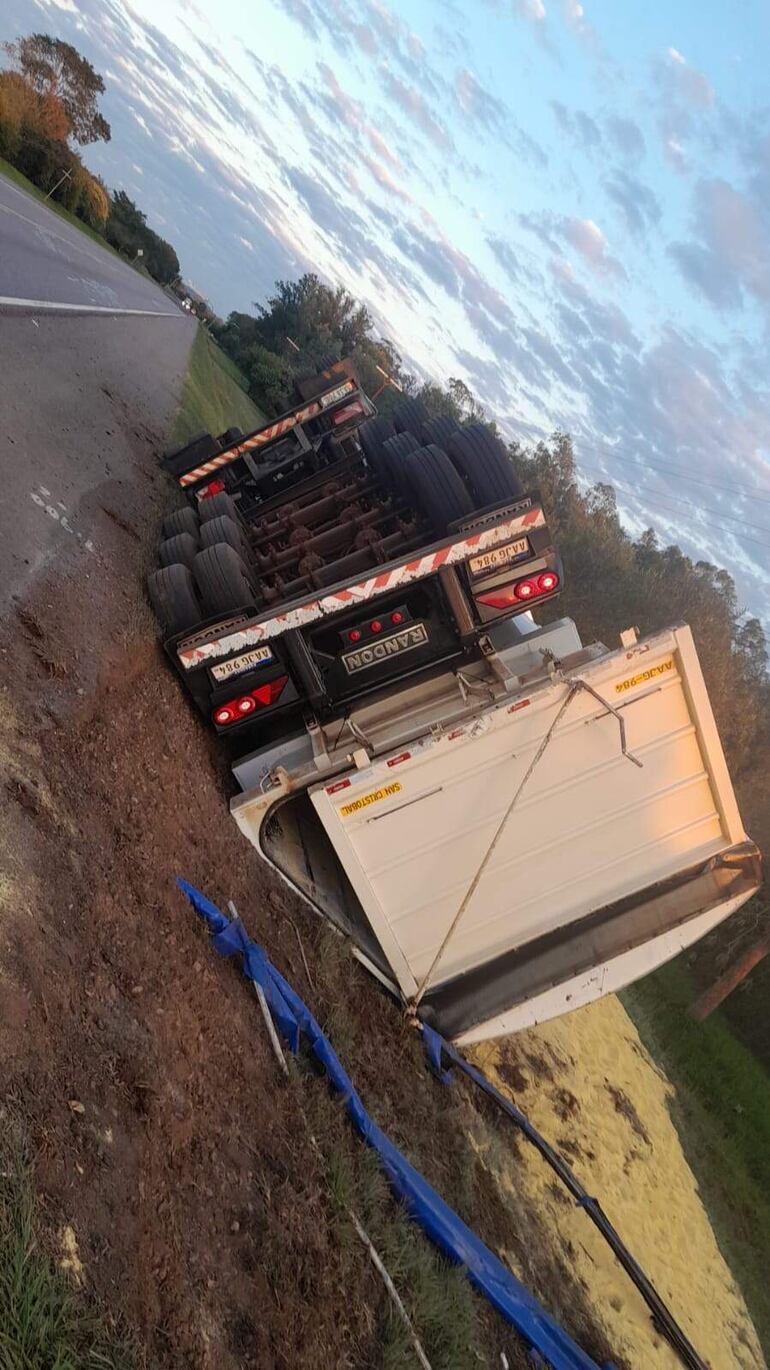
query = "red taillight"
{"x": 215, "y": 487}
{"x": 397, "y": 617}
{"x": 505, "y": 596}
{"x": 376, "y": 626}
{"x": 355, "y": 635}
{"x": 261, "y": 698}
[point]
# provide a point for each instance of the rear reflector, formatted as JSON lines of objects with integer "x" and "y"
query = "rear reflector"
{"x": 261, "y": 698}
{"x": 506, "y": 596}
{"x": 215, "y": 487}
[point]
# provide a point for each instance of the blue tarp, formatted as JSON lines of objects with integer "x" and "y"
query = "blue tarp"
{"x": 493, "y": 1279}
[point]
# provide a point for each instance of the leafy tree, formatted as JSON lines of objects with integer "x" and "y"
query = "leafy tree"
{"x": 127, "y": 229}
{"x": 270, "y": 379}
{"x": 314, "y": 316}
{"x": 55, "y": 69}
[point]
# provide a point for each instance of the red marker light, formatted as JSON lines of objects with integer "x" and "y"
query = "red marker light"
{"x": 376, "y": 626}
{"x": 397, "y": 617}
{"x": 547, "y": 582}
{"x": 355, "y": 635}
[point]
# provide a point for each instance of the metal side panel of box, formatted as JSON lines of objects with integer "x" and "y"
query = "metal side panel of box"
{"x": 590, "y": 829}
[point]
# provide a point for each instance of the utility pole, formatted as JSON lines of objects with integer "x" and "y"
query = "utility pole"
{"x": 730, "y": 979}
{"x": 388, "y": 381}
{"x": 63, "y": 177}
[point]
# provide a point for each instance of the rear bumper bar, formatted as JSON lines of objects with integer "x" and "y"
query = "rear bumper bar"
{"x": 491, "y": 990}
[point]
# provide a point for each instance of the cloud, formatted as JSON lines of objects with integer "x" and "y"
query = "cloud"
{"x": 627, "y": 137}
{"x": 675, "y": 155}
{"x": 478, "y": 104}
{"x": 534, "y": 10}
{"x": 579, "y": 126}
{"x": 638, "y": 204}
{"x": 703, "y": 268}
{"x": 735, "y": 230}
{"x": 690, "y": 85}
{"x": 381, "y": 147}
{"x": 506, "y": 258}
{"x": 412, "y": 103}
{"x": 731, "y": 257}
{"x": 383, "y": 178}
{"x": 686, "y": 102}
{"x": 587, "y": 238}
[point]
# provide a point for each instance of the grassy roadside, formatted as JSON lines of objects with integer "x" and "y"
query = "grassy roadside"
{"x": 722, "y": 1115}
{"x": 12, "y": 174}
{"x": 44, "y": 1321}
{"x": 213, "y": 395}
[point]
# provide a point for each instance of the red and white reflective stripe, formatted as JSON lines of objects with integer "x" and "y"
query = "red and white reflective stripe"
{"x": 314, "y": 609}
{"x": 274, "y": 430}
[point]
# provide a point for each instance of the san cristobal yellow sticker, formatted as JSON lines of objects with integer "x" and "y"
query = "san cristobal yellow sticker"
{"x": 373, "y": 797}
{"x": 652, "y": 673}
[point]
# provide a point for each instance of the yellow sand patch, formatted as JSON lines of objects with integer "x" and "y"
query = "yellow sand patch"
{"x": 70, "y": 1261}
{"x": 586, "y": 1081}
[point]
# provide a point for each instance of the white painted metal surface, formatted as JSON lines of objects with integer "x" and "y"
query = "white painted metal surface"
{"x": 607, "y": 978}
{"x": 590, "y": 828}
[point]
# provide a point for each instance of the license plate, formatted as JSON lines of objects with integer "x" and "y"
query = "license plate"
{"x": 499, "y": 556}
{"x": 240, "y": 664}
{"x": 373, "y": 653}
{"x": 339, "y": 393}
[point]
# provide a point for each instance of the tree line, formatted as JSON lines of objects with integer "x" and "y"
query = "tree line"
{"x": 306, "y": 325}
{"x": 49, "y": 102}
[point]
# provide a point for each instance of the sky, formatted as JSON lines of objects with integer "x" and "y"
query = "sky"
{"x": 565, "y": 204}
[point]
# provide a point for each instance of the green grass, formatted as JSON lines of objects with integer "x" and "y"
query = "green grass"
{"x": 13, "y": 175}
{"x": 722, "y": 1114}
{"x": 214, "y": 395}
{"x": 437, "y": 1296}
{"x": 43, "y": 1321}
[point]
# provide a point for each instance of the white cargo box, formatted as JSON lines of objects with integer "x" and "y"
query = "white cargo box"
{"x": 603, "y": 869}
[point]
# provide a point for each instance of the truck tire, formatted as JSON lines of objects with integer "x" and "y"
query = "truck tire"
{"x": 174, "y": 601}
{"x": 396, "y": 454}
{"x": 224, "y": 529}
{"x": 184, "y": 520}
{"x": 192, "y": 454}
{"x": 183, "y": 446}
{"x": 481, "y": 460}
{"x": 439, "y": 431}
{"x": 180, "y": 550}
{"x": 229, "y": 436}
{"x": 410, "y": 416}
{"x": 213, "y": 506}
{"x": 371, "y": 435}
{"x": 222, "y": 580}
{"x": 437, "y": 487}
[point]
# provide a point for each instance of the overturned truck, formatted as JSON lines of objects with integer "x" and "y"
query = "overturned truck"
{"x": 505, "y": 822}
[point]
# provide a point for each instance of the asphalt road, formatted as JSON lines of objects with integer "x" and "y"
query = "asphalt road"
{"x": 47, "y": 260}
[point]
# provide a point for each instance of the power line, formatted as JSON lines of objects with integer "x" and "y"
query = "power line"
{"x": 653, "y": 499}
{"x": 747, "y": 491}
{"x": 717, "y": 513}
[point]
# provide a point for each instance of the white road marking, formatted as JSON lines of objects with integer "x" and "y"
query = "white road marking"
{"x": 73, "y": 240}
{"x": 103, "y": 255}
{"x": 9, "y": 300}
{"x": 40, "y": 496}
